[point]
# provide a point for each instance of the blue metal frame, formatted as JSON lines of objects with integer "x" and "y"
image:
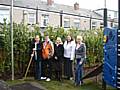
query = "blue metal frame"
{"x": 110, "y": 57}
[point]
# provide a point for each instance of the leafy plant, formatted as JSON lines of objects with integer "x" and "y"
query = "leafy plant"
{"x": 24, "y": 34}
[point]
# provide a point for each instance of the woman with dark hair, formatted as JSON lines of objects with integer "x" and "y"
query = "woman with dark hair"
{"x": 37, "y": 49}
{"x": 69, "y": 50}
{"x": 80, "y": 55}
{"x": 58, "y": 56}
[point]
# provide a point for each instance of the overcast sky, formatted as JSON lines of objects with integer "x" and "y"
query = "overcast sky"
{"x": 90, "y": 4}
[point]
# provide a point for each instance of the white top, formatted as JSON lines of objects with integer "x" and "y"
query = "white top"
{"x": 69, "y": 50}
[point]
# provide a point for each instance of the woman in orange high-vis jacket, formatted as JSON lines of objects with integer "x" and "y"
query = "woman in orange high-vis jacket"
{"x": 47, "y": 50}
{"x": 47, "y": 54}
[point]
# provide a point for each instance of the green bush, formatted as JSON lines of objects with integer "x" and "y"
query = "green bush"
{"x": 92, "y": 38}
{"x": 23, "y": 36}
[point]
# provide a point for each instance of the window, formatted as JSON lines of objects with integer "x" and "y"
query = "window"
{"x": 4, "y": 14}
{"x": 31, "y": 18}
{"x": 77, "y": 23}
{"x": 101, "y": 25}
{"x": 45, "y": 20}
{"x": 67, "y": 23}
{"x": 94, "y": 25}
{"x": 115, "y": 14}
{"x": 115, "y": 25}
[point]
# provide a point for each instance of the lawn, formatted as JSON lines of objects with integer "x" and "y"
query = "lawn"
{"x": 68, "y": 85}
{"x": 65, "y": 85}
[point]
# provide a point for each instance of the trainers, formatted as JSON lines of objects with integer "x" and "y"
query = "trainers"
{"x": 43, "y": 78}
{"x": 80, "y": 83}
{"x": 48, "y": 79}
{"x": 71, "y": 78}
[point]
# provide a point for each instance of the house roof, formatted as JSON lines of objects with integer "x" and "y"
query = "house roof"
{"x": 55, "y": 7}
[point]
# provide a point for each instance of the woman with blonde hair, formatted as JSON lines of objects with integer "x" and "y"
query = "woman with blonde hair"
{"x": 80, "y": 54}
{"x": 58, "y": 56}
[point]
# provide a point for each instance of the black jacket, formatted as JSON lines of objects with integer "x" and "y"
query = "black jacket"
{"x": 39, "y": 50}
{"x": 58, "y": 51}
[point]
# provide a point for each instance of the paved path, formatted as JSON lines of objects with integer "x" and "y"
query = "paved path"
{"x": 28, "y": 86}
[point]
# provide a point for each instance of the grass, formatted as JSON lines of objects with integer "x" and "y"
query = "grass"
{"x": 65, "y": 85}
{"x": 68, "y": 85}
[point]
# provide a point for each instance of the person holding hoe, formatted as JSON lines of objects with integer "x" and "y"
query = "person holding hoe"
{"x": 37, "y": 56}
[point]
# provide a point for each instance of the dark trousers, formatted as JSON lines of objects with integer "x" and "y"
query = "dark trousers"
{"x": 37, "y": 70}
{"x": 58, "y": 69}
{"x": 46, "y": 68}
{"x": 68, "y": 68}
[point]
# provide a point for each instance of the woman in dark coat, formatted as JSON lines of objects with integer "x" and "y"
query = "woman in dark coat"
{"x": 37, "y": 53}
{"x": 58, "y": 56}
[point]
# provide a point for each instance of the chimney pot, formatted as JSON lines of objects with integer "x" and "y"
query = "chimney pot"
{"x": 76, "y": 6}
{"x": 50, "y": 2}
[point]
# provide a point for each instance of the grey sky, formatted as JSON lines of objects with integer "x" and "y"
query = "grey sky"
{"x": 90, "y": 4}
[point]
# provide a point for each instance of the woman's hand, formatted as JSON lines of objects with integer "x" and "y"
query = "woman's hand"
{"x": 34, "y": 49}
{"x": 32, "y": 55}
{"x": 56, "y": 57}
{"x": 80, "y": 63}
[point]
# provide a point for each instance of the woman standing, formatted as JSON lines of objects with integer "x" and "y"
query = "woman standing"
{"x": 47, "y": 55}
{"x": 69, "y": 50}
{"x": 58, "y": 56}
{"x": 80, "y": 54}
{"x": 37, "y": 49}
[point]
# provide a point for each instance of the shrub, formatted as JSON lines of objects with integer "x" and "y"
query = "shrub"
{"x": 23, "y": 37}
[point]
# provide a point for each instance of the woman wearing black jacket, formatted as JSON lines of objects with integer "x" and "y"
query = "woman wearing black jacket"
{"x": 58, "y": 56}
{"x": 37, "y": 53}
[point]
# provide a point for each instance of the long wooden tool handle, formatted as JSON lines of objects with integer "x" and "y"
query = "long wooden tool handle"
{"x": 28, "y": 66}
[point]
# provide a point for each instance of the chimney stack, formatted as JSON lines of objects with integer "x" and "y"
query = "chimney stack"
{"x": 76, "y": 6}
{"x": 50, "y": 2}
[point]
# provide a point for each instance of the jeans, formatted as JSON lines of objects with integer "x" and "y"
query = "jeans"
{"x": 37, "y": 70}
{"x": 78, "y": 73}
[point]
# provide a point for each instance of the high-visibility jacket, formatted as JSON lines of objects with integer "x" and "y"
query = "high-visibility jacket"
{"x": 47, "y": 50}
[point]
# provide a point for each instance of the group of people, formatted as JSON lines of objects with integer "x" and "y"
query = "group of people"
{"x": 62, "y": 54}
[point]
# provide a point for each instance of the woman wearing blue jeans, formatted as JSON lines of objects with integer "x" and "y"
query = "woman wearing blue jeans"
{"x": 37, "y": 48}
{"x": 80, "y": 54}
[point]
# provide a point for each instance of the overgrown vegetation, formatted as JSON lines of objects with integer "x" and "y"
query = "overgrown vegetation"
{"x": 23, "y": 36}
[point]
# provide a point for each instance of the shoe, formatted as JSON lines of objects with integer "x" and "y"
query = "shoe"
{"x": 43, "y": 78}
{"x": 80, "y": 83}
{"x": 48, "y": 79}
{"x": 71, "y": 78}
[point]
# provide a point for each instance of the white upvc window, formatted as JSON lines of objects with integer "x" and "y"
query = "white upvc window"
{"x": 31, "y": 18}
{"x": 44, "y": 20}
{"x": 4, "y": 14}
{"x": 66, "y": 22}
{"x": 77, "y": 23}
{"x": 94, "y": 25}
